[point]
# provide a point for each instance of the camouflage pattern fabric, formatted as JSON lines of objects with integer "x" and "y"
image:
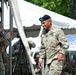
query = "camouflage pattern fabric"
{"x": 2, "y": 54}
{"x": 53, "y": 42}
{"x": 2, "y": 67}
{"x": 21, "y": 65}
{"x": 55, "y": 68}
{"x": 2, "y": 44}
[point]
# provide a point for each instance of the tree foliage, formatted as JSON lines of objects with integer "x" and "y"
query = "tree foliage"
{"x": 59, "y": 6}
{"x": 73, "y": 9}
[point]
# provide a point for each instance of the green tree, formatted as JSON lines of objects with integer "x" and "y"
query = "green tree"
{"x": 73, "y": 9}
{"x": 58, "y": 6}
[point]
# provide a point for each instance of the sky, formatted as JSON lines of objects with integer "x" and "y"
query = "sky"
{"x": 71, "y": 39}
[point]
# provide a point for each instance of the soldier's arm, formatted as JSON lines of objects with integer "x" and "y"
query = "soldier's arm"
{"x": 63, "y": 44}
{"x": 6, "y": 36}
{"x": 62, "y": 40}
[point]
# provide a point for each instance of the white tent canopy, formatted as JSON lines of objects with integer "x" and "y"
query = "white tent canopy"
{"x": 30, "y": 14}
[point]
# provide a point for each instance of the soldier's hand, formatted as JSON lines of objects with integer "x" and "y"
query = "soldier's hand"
{"x": 60, "y": 57}
{"x": 40, "y": 63}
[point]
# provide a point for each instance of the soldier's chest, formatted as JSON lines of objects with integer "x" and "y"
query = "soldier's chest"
{"x": 50, "y": 39}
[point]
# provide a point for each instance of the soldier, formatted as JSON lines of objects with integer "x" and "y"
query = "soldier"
{"x": 21, "y": 65}
{"x": 53, "y": 46}
{"x": 3, "y": 43}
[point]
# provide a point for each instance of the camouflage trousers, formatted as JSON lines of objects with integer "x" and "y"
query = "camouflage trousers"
{"x": 2, "y": 67}
{"x": 55, "y": 68}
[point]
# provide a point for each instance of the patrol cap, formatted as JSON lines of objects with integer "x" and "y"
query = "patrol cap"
{"x": 45, "y": 17}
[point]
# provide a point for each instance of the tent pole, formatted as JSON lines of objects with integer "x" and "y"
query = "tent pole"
{"x": 41, "y": 30}
{"x": 43, "y": 67}
{"x": 14, "y": 6}
{"x": 2, "y": 17}
{"x": 10, "y": 43}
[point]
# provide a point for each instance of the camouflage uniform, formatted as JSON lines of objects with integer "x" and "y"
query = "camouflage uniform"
{"x": 2, "y": 67}
{"x": 3, "y": 55}
{"x": 52, "y": 43}
{"x": 21, "y": 65}
{"x": 2, "y": 50}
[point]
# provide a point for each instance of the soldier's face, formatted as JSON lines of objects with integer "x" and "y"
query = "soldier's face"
{"x": 47, "y": 24}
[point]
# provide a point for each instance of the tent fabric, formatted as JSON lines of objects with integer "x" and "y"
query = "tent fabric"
{"x": 34, "y": 31}
{"x": 31, "y": 13}
{"x": 69, "y": 31}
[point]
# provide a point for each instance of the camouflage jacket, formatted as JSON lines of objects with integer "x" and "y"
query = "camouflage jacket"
{"x": 53, "y": 42}
{"x": 2, "y": 43}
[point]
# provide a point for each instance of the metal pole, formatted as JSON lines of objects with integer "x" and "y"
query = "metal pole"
{"x": 10, "y": 43}
{"x": 18, "y": 22}
{"x": 43, "y": 67}
{"x": 2, "y": 17}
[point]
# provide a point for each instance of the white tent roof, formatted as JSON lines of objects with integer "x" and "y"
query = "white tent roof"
{"x": 31, "y": 13}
